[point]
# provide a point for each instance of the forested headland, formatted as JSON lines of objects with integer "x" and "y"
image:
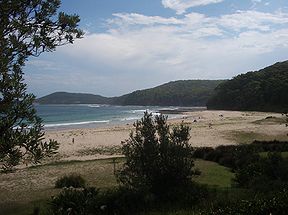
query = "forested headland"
{"x": 263, "y": 90}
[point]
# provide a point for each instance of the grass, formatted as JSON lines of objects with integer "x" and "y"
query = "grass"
{"x": 20, "y": 192}
{"x": 265, "y": 154}
{"x": 271, "y": 121}
{"x": 245, "y": 137}
{"x": 178, "y": 212}
{"x": 24, "y": 188}
{"x": 23, "y": 208}
{"x": 213, "y": 174}
{"x": 105, "y": 150}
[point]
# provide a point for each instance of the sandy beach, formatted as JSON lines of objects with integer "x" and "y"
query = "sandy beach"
{"x": 208, "y": 128}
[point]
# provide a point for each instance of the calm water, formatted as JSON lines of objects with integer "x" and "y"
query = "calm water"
{"x": 79, "y": 116}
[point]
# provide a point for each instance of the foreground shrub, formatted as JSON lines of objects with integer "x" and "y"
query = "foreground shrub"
{"x": 275, "y": 203}
{"x": 75, "y": 201}
{"x": 271, "y": 146}
{"x": 123, "y": 201}
{"x": 157, "y": 158}
{"x": 186, "y": 196}
{"x": 201, "y": 152}
{"x": 231, "y": 156}
{"x": 126, "y": 201}
{"x": 72, "y": 180}
{"x": 265, "y": 174}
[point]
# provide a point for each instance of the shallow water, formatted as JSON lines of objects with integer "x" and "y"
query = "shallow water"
{"x": 91, "y": 115}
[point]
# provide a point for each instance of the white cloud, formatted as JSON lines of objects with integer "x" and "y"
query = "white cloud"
{"x": 139, "y": 51}
{"x": 180, "y": 6}
{"x": 252, "y": 20}
{"x": 169, "y": 44}
{"x": 139, "y": 19}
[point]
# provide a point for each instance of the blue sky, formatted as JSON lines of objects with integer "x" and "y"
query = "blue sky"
{"x": 138, "y": 44}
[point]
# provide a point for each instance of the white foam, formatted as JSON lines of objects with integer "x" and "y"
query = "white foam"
{"x": 137, "y": 111}
{"x": 129, "y": 119}
{"x": 75, "y": 123}
{"x": 94, "y": 106}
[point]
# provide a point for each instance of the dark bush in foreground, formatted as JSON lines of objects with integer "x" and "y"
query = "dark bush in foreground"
{"x": 271, "y": 146}
{"x": 91, "y": 201}
{"x": 200, "y": 152}
{"x": 238, "y": 156}
{"x": 265, "y": 174}
{"x": 75, "y": 201}
{"x": 126, "y": 201}
{"x": 72, "y": 180}
{"x": 186, "y": 196}
{"x": 232, "y": 156}
{"x": 123, "y": 201}
{"x": 275, "y": 203}
{"x": 158, "y": 158}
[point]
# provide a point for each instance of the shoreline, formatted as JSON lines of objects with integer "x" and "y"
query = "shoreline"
{"x": 91, "y": 117}
{"x": 208, "y": 128}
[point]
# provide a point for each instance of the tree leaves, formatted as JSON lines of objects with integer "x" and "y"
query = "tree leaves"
{"x": 28, "y": 28}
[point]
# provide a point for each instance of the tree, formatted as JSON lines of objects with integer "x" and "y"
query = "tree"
{"x": 157, "y": 158}
{"x": 28, "y": 28}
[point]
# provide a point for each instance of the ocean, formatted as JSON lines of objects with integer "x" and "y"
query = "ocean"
{"x": 91, "y": 115}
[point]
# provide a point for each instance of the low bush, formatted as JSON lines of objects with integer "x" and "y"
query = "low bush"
{"x": 72, "y": 180}
{"x": 186, "y": 196}
{"x": 271, "y": 146}
{"x": 75, "y": 201}
{"x": 275, "y": 203}
{"x": 200, "y": 152}
{"x": 126, "y": 201}
{"x": 238, "y": 156}
{"x": 264, "y": 174}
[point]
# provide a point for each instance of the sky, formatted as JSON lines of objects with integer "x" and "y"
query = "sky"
{"x": 138, "y": 44}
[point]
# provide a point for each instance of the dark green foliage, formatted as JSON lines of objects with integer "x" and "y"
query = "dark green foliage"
{"x": 28, "y": 28}
{"x": 238, "y": 156}
{"x": 21, "y": 131}
{"x": 177, "y": 93}
{"x": 252, "y": 171}
{"x": 275, "y": 203}
{"x": 72, "y": 180}
{"x": 201, "y": 152}
{"x": 73, "y": 98}
{"x": 231, "y": 156}
{"x": 36, "y": 211}
{"x": 126, "y": 201}
{"x": 91, "y": 201}
{"x": 265, "y": 174}
{"x": 185, "y": 196}
{"x": 157, "y": 159}
{"x": 75, "y": 201}
{"x": 270, "y": 146}
{"x": 264, "y": 90}
{"x": 123, "y": 201}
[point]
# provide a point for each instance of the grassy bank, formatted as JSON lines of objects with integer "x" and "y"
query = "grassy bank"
{"x": 32, "y": 187}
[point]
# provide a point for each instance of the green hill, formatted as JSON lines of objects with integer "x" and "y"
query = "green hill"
{"x": 73, "y": 98}
{"x": 263, "y": 90}
{"x": 176, "y": 93}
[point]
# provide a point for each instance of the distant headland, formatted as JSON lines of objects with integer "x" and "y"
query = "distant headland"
{"x": 176, "y": 93}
